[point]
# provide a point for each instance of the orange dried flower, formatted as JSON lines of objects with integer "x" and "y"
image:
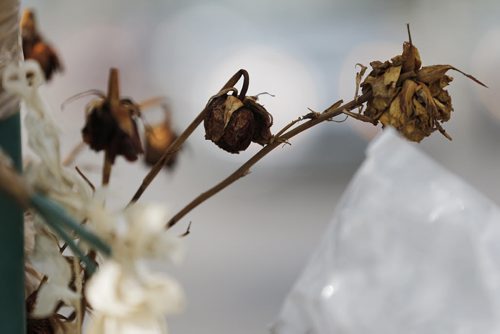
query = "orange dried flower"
{"x": 36, "y": 48}
{"x": 158, "y": 138}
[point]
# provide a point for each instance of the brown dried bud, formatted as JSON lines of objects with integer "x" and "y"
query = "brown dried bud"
{"x": 35, "y": 47}
{"x": 110, "y": 124}
{"x": 233, "y": 122}
{"x": 158, "y": 138}
{"x": 409, "y": 97}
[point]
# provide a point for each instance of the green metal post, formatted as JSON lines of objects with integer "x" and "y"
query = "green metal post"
{"x": 12, "y": 307}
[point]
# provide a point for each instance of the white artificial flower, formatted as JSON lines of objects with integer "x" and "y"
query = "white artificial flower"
{"x": 146, "y": 235}
{"x": 47, "y": 259}
{"x": 131, "y": 302}
{"x": 48, "y": 176}
{"x": 125, "y": 296}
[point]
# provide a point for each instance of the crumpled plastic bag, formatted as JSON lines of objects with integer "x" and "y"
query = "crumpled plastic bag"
{"x": 412, "y": 249}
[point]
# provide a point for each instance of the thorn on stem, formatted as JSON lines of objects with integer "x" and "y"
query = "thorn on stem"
{"x": 188, "y": 231}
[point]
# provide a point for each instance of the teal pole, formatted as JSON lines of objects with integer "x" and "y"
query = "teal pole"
{"x": 12, "y": 307}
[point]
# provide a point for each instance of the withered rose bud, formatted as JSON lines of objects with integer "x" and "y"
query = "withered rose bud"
{"x": 111, "y": 126}
{"x": 158, "y": 138}
{"x": 409, "y": 97}
{"x": 233, "y": 121}
{"x": 36, "y": 48}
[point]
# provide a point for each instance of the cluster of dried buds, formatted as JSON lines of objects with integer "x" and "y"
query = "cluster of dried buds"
{"x": 232, "y": 121}
{"x": 36, "y": 48}
{"x": 408, "y": 97}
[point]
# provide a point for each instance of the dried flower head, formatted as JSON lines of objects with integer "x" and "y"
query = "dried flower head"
{"x": 234, "y": 121}
{"x": 409, "y": 97}
{"x": 111, "y": 125}
{"x": 36, "y": 48}
{"x": 158, "y": 138}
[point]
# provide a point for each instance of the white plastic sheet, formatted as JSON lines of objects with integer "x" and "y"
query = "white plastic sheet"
{"x": 411, "y": 249}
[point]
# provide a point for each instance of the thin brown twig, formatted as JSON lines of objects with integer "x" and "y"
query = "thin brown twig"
{"x": 329, "y": 113}
{"x": 106, "y": 169}
{"x": 187, "y": 232}
{"x": 85, "y": 178}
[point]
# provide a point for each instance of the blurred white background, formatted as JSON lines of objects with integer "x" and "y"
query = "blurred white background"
{"x": 248, "y": 244}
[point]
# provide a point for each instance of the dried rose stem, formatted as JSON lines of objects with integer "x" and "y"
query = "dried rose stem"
{"x": 114, "y": 104}
{"x": 176, "y": 145}
{"x": 333, "y": 111}
{"x": 106, "y": 170}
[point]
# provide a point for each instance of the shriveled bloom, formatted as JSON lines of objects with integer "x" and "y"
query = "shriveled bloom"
{"x": 234, "y": 120}
{"x": 35, "y": 47}
{"x": 110, "y": 124}
{"x": 409, "y": 97}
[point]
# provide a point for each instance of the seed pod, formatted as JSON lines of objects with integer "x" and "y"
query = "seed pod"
{"x": 36, "y": 48}
{"x": 233, "y": 121}
{"x": 158, "y": 138}
{"x": 409, "y": 97}
{"x": 110, "y": 124}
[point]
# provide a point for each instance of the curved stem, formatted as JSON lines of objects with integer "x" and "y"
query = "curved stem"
{"x": 333, "y": 111}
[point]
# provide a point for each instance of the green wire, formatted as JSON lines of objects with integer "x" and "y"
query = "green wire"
{"x": 59, "y": 216}
{"x": 90, "y": 267}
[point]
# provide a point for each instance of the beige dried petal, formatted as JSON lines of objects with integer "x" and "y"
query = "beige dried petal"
{"x": 429, "y": 74}
{"x": 391, "y": 76}
{"x": 407, "y": 92}
{"x": 231, "y": 104}
{"x": 425, "y": 96}
{"x": 410, "y": 58}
